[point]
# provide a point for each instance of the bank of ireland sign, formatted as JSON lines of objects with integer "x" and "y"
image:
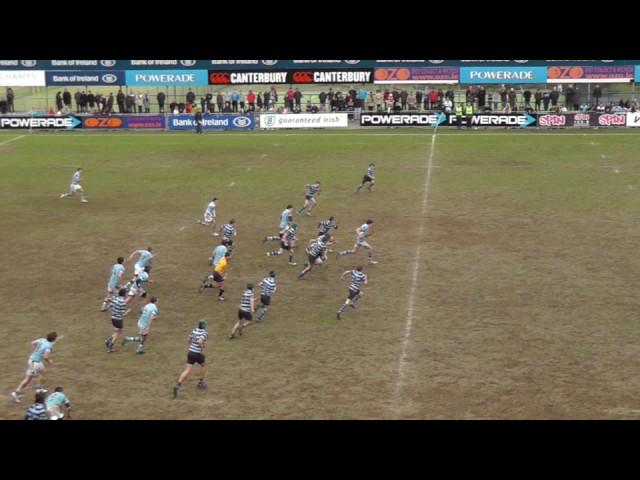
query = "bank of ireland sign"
{"x": 481, "y": 75}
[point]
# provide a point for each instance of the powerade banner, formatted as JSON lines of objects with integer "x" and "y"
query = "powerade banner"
{"x": 503, "y": 75}
{"x": 86, "y": 77}
{"x": 417, "y": 75}
{"x": 401, "y": 119}
{"x": 522, "y": 120}
{"x": 63, "y": 122}
{"x": 159, "y": 78}
{"x": 358, "y": 75}
{"x": 213, "y": 122}
{"x": 124, "y": 121}
{"x": 590, "y": 74}
{"x": 305, "y": 120}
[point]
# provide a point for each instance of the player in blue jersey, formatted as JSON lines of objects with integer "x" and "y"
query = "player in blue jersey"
{"x": 147, "y": 316}
{"x": 145, "y": 259}
{"x": 286, "y": 217}
{"x": 113, "y": 285}
{"x": 42, "y": 347}
{"x": 58, "y": 405}
{"x": 137, "y": 285}
{"x": 75, "y": 186}
{"x": 210, "y": 216}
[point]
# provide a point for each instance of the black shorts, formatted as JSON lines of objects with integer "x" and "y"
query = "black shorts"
{"x": 217, "y": 277}
{"x": 265, "y": 299}
{"x": 284, "y": 246}
{"x": 312, "y": 259}
{"x": 242, "y": 315}
{"x": 117, "y": 323}
{"x": 353, "y": 293}
{"x": 367, "y": 178}
{"x": 308, "y": 197}
{"x": 193, "y": 357}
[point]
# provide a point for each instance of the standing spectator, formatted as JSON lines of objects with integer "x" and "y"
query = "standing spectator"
{"x": 273, "y": 96}
{"x": 91, "y": 100}
{"x": 403, "y": 99}
{"x": 120, "y": 100}
{"x": 433, "y": 99}
{"x": 482, "y": 93}
{"x": 220, "y": 101}
{"x": 161, "y": 98}
{"x": 468, "y": 112}
{"x": 66, "y": 98}
{"x": 110, "y": 104}
{"x": 37, "y": 411}
{"x": 369, "y": 102}
{"x": 83, "y": 101}
{"x": 297, "y": 95}
{"x": 235, "y": 97}
{"x": 418, "y": 99}
{"x": 323, "y": 100}
{"x": 512, "y": 99}
{"x": 289, "y": 99}
{"x": 146, "y": 102}
{"x": 389, "y": 101}
{"x": 265, "y": 100}
{"x": 76, "y": 97}
{"x": 191, "y": 97}
{"x": 139, "y": 101}
{"x": 503, "y": 97}
{"x": 251, "y": 100}
{"x": 396, "y": 97}
{"x": 538, "y": 98}
{"x": 554, "y": 97}
{"x": 597, "y": 93}
{"x": 241, "y": 102}
{"x": 10, "y": 98}
{"x": 259, "y": 102}
{"x": 411, "y": 101}
{"x": 208, "y": 98}
{"x": 59, "y": 101}
{"x": 203, "y": 103}
{"x": 527, "y": 99}
{"x": 363, "y": 95}
{"x": 459, "y": 112}
{"x": 379, "y": 99}
{"x": 330, "y": 96}
{"x": 468, "y": 95}
{"x": 546, "y": 98}
{"x": 569, "y": 98}
{"x": 490, "y": 101}
{"x": 449, "y": 96}
{"x": 198, "y": 120}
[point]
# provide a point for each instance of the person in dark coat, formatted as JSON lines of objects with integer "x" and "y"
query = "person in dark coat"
{"x": 91, "y": 100}
{"x": 555, "y": 94}
{"x": 110, "y": 104}
{"x": 527, "y": 99}
{"x": 66, "y": 98}
{"x": 538, "y": 98}
{"x": 419, "y": 98}
{"x": 10, "y": 98}
{"x": 76, "y": 97}
{"x": 161, "y": 97}
{"x": 59, "y": 104}
{"x": 208, "y": 98}
{"x": 569, "y": 97}
{"x": 220, "y": 101}
{"x": 198, "y": 120}
{"x": 597, "y": 93}
{"x": 297, "y": 95}
{"x": 120, "y": 101}
{"x": 191, "y": 97}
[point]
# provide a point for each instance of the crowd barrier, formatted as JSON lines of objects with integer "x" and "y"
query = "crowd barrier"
{"x": 320, "y": 120}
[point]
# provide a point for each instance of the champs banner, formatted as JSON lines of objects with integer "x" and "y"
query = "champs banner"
{"x": 417, "y": 75}
{"x": 213, "y": 122}
{"x": 590, "y": 74}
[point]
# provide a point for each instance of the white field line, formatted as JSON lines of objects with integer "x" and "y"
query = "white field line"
{"x": 13, "y": 139}
{"x": 75, "y": 135}
{"x": 416, "y": 267}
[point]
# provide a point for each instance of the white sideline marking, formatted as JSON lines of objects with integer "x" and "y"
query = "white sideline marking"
{"x": 416, "y": 268}
{"x": 11, "y": 140}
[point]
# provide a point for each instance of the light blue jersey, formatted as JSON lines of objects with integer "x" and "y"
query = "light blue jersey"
{"x": 43, "y": 346}
{"x": 285, "y": 217}
{"x": 145, "y": 258}
{"x": 149, "y": 310}
{"x": 218, "y": 254}
{"x": 75, "y": 179}
{"x": 143, "y": 277}
{"x": 57, "y": 399}
{"x": 116, "y": 271}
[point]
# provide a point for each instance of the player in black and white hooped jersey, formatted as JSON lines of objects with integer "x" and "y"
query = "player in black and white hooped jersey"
{"x": 358, "y": 279}
{"x": 245, "y": 312}
{"x": 311, "y": 190}
{"x": 316, "y": 254}
{"x": 286, "y": 217}
{"x": 197, "y": 342}
{"x": 287, "y": 243}
{"x": 267, "y": 289}
{"x": 362, "y": 232}
{"x": 369, "y": 177}
{"x": 228, "y": 230}
{"x": 325, "y": 226}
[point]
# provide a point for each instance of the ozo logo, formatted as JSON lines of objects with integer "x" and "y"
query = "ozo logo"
{"x": 242, "y": 122}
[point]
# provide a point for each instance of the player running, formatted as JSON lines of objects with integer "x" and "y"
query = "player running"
{"x": 247, "y": 308}
{"x": 312, "y": 189}
{"x": 363, "y": 231}
{"x": 118, "y": 307}
{"x": 147, "y": 316}
{"x": 358, "y": 278}
{"x": 197, "y": 342}
{"x": 369, "y": 177}
{"x": 210, "y": 216}
{"x": 42, "y": 347}
{"x": 113, "y": 284}
{"x": 138, "y": 283}
{"x": 287, "y": 242}
{"x": 218, "y": 253}
{"x": 75, "y": 186}
{"x": 316, "y": 254}
{"x": 55, "y": 404}
{"x": 145, "y": 259}
{"x": 286, "y": 217}
{"x": 325, "y": 226}
{"x": 267, "y": 289}
{"x": 216, "y": 280}
{"x": 228, "y": 230}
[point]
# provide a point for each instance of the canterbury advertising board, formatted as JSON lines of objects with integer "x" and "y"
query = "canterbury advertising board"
{"x": 305, "y": 120}
{"x": 22, "y": 121}
{"x": 289, "y": 77}
{"x": 22, "y": 78}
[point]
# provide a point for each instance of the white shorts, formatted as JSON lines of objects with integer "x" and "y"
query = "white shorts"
{"x": 55, "y": 412}
{"x": 361, "y": 242}
{"x": 135, "y": 291}
{"x": 209, "y": 218}
{"x": 143, "y": 329}
{"x": 112, "y": 288}
{"x": 34, "y": 368}
{"x": 74, "y": 188}
{"x": 137, "y": 269}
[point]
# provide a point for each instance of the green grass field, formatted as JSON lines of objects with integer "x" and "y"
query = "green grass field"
{"x": 517, "y": 301}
